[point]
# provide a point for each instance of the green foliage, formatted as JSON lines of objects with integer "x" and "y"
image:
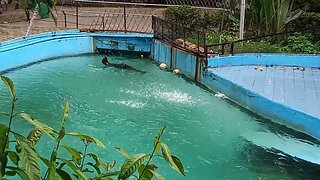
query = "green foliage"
{"x": 3, "y": 139}
{"x": 298, "y": 43}
{"x": 28, "y": 157}
{"x": 38, "y": 124}
{"x": 273, "y": 15}
{"x": 258, "y": 47}
{"x": 192, "y": 17}
{"x": 8, "y": 82}
{"x": 34, "y": 136}
{"x": 132, "y": 164}
{"x": 25, "y": 157}
{"x": 307, "y": 22}
{"x": 36, "y": 4}
{"x": 183, "y": 15}
{"x": 215, "y": 38}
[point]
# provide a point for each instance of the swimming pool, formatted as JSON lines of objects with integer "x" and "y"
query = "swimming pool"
{"x": 124, "y": 108}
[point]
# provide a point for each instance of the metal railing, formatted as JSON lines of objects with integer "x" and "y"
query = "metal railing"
{"x": 184, "y": 38}
{"x": 125, "y": 16}
{"x": 230, "y": 48}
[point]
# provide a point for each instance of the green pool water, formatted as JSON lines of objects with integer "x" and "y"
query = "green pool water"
{"x": 124, "y": 108}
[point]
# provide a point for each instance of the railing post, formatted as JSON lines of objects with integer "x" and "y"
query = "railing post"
{"x": 172, "y": 30}
{"x": 223, "y": 49}
{"x": 77, "y": 16}
{"x": 162, "y": 28}
{"x": 184, "y": 37}
{"x": 198, "y": 43}
{"x": 206, "y": 53}
{"x": 155, "y": 26}
{"x": 125, "y": 18}
{"x": 232, "y": 49}
{"x": 65, "y": 19}
{"x": 103, "y": 25}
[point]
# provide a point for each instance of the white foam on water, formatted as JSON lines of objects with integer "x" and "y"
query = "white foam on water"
{"x": 220, "y": 95}
{"x": 175, "y": 96}
{"x": 130, "y": 103}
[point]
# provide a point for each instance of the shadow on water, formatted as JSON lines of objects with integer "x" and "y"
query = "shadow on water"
{"x": 260, "y": 161}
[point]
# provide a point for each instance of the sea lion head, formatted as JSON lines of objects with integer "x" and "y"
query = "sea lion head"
{"x": 105, "y": 61}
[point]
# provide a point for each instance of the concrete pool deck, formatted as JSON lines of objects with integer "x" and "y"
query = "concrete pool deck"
{"x": 284, "y": 88}
{"x": 295, "y": 87}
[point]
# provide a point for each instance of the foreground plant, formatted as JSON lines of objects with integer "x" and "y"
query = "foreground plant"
{"x": 23, "y": 161}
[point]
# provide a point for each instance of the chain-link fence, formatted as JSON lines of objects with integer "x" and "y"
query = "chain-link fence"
{"x": 111, "y": 17}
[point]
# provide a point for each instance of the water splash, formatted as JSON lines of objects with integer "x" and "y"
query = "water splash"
{"x": 130, "y": 103}
{"x": 35, "y": 14}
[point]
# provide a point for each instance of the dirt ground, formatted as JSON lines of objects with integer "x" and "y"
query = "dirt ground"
{"x": 13, "y": 22}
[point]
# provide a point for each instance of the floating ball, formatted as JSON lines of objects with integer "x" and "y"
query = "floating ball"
{"x": 163, "y": 66}
{"x": 176, "y": 71}
{"x": 141, "y": 56}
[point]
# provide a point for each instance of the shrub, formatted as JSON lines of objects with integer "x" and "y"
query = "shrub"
{"x": 214, "y": 38}
{"x": 258, "y": 47}
{"x": 307, "y": 23}
{"x": 202, "y": 20}
{"x": 298, "y": 43}
{"x": 183, "y": 15}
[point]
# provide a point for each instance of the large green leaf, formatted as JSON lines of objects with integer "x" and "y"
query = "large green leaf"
{"x": 95, "y": 167}
{"x": 64, "y": 175}
{"x": 269, "y": 13}
{"x": 10, "y": 173}
{"x": 20, "y": 172}
{"x": 132, "y": 164}
{"x": 3, "y": 136}
{"x": 7, "y": 81}
{"x": 179, "y": 164}
{"x": 156, "y": 174}
{"x": 74, "y": 169}
{"x": 107, "y": 176}
{"x": 14, "y": 157}
{"x": 62, "y": 133}
{"x": 46, "y": 161}
{"x": 34, "y": 136}
{"x": 28, "y": 157}
{"x": 123, "y": 152}
{"x": 169, "y": 158}
{"x": 74, "y": 153}
{"x": 146, "y": 173}
{"x": 3, "y": 164}
{"x": 38, "y": 124}
{"x": 65, "y": 113}
{"x": 4, "y": 113}
{"x": 95, "y": 158}
{"x": 87, "y": 138}
{"x": 53, "y": 164}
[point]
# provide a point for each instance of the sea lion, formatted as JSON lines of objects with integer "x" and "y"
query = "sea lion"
{"x": 120, "y": 66}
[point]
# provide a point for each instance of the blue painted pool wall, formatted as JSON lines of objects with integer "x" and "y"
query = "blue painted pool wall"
{"x": 125, "y": 42}
{"x": 265, "y": 59}
{"x": 181, "y": 60}
{"x": 24, "y": 51}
